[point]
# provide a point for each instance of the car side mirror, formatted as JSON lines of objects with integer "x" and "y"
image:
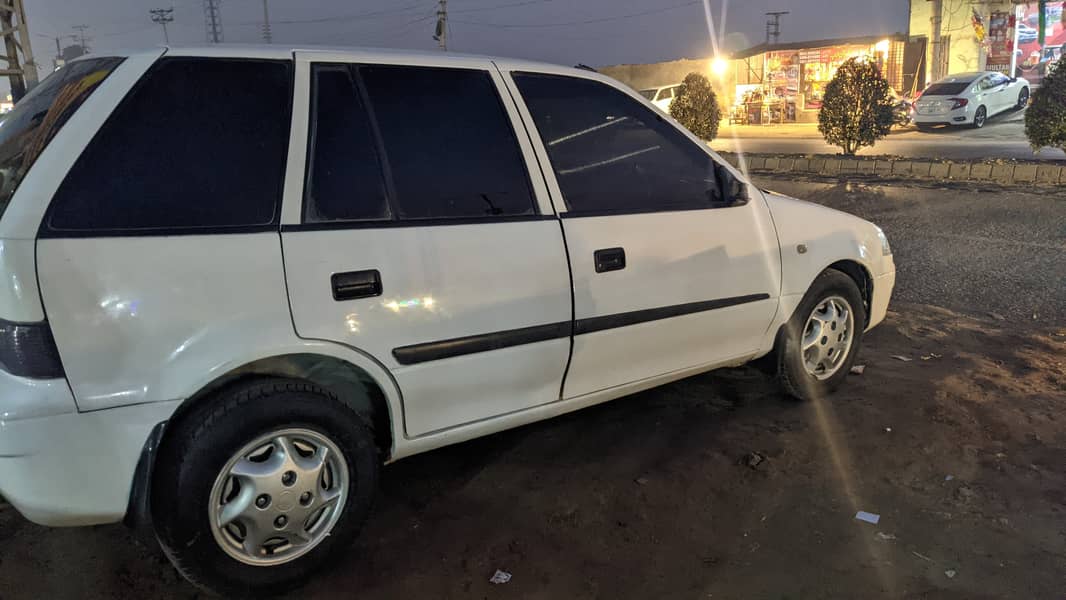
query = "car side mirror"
{"x": 1013, "y": 79}
{"x": 734, "y": 190}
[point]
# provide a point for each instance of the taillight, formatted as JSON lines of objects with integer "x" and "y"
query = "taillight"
{"x": 28, "y": 350}
{"x": 959, "y": 102}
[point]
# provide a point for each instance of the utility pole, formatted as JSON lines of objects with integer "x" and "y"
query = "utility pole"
{"x": 441, "y": 33}
{"x": 266, "y": 23}
{"x": 773, "y": 25}
{"x": 82, "y": 40}
{"x": 213, "y": 21}
{"x": 935, "y": 21}
{"x": 163, "y": 16}
{"x": 16, "y": 33}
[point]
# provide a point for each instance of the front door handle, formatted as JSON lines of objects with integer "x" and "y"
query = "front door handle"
{"x": 356, "y": 284}
{"x": 609, "y": 259}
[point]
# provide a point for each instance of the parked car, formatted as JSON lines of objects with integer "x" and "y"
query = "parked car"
{"x": 1027, "y": 34}
{"x": 663, "y": 96}
{"x": 241, "y": 279}
{"x": 969, "y": 99}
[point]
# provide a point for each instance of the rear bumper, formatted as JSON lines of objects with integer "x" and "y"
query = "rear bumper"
{"x": 960, "y": 116}
{"x": 70, "y": 468}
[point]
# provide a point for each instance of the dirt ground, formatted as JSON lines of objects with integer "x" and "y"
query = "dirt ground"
{"x": 713, "y": 487}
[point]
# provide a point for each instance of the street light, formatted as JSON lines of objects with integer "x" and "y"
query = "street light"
{"x": 719, "y": 66}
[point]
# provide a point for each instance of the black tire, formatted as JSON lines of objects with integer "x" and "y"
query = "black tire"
{"x": 980, "y": 117}
{"x": 1023, "y": 99}
{"x": 196, "y": 448}
{"x": 925, "y": 127}
{"x": 796, "y": 381}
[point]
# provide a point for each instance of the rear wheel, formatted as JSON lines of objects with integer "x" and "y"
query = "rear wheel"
{"x": 980, "y": 117}
{"x": 821, "y": 339}
{"x": 258, "y": 488}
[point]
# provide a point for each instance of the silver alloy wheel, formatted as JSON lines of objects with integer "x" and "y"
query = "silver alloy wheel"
{"x": 1023, "y": 98}
{"x": 278, "y": 497}
{"x": 827, "y": 337}
{"x": 980, "y": 117}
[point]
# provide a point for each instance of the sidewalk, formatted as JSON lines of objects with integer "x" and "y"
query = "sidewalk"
{"x": 1007, "y": 127}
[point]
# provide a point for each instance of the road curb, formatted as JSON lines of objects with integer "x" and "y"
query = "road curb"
{"x": 1005, "y": 173}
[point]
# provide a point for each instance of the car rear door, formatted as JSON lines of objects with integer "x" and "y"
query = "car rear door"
{"x": 417, "y": 235}
{"x": 666, "y": 277}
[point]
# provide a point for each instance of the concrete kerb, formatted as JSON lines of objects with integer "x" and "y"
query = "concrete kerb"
{"x": 999, "y": 173}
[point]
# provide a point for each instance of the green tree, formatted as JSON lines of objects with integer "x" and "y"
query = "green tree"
{"x": 696, "y": 107}
{"x": 857, "y": 108}
{"x": 1045, "y": 121}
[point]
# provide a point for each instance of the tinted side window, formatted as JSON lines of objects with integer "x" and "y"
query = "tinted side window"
{"x": 37, "y": 118}
{"x": 610, "y": 153}
{"x": 449, "y": 145}
{"x": 197, "y": 143}
{"x": 344, "y": 171}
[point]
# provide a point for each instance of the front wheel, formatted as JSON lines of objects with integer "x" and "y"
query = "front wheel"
{"x": 261, "y": 486}
{"x": 821, "y": 339}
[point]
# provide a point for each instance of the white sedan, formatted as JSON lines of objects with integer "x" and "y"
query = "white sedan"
{"x": 969, "y": 99}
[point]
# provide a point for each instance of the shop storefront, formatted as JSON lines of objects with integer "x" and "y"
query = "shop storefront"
{"x": 786, "y": 82}
{"x": 990, "y": 36}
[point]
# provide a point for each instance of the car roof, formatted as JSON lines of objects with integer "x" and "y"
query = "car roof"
{"x": 278, "y": 51}
{"x": 963, "y": 77}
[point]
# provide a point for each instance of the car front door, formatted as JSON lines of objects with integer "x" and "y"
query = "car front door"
{"x": 418, "y": 237}
{"x": 1000, "y": 92}
{"x": 667, "y": 277}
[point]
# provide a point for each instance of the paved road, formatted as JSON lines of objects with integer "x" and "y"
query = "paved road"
{"x": 1002, "y": 137}
{"x": 976, "y": 252}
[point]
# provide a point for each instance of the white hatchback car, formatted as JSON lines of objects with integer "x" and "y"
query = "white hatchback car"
{"x": 969, "y": 99}
{"x": 240, "y": 279}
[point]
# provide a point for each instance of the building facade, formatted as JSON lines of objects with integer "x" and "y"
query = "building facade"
{"x": 979, "y": 35}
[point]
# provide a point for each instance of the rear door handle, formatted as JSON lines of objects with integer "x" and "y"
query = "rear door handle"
{"x": 356, "y": 284}
{"x": 609, "y": 259}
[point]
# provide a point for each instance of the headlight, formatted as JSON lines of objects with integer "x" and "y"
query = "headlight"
{"x": 886, "y": 249}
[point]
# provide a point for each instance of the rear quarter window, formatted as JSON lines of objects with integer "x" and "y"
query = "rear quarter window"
{"x": 26, "y": 131}
{"x": 197, "y": 145}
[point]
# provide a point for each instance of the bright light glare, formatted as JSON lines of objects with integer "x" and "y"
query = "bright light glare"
{"x": 882, "y": 47}
{"x": 719, "y": 66}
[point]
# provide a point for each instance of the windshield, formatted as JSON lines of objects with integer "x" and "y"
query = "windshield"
{"x": 946, "y": 89}
{"x": 35, "y": 120}
{"x": 649, "y": 94}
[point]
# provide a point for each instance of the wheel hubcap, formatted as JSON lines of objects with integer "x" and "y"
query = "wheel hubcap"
{"x": 278, "y": 496}
{"x": 980, "y": 118}
{"x": 827, "y": 337}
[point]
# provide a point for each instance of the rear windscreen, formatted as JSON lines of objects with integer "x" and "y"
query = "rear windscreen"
{"x": 946, "y": 89}
{"x": 26, "y": 130}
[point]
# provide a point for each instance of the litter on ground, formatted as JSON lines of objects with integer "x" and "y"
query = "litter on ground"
{"x": 862, "y": 515}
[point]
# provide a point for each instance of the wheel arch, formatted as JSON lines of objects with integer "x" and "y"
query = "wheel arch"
{"x": 355, "y": 378}
{"x": 858, "y": 272}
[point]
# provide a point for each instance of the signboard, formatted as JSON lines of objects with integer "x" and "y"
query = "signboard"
{"x": 1034, "y": 56}
{"x": 1000, "y": 41}
{"x": 818, "y": 55}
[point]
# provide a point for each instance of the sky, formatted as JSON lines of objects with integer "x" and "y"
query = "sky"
{"x": 593, "y": 32}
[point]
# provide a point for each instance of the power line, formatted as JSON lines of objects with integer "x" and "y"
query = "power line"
{"x": 522, "y": 3}
{"x": 378, "y": 13}
{"x": 585, "y": 22}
